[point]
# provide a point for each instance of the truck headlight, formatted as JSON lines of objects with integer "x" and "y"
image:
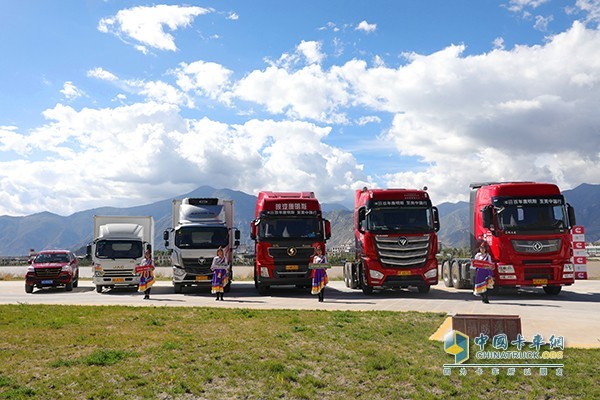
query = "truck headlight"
{"x": 432, "y": 273}
{"x": 568, "y": 268}
{"x": 506, "y": 269}
{"x": 98, "y": 271}
{"x": 375, "y": 274}
{"x": 264, "y": 272}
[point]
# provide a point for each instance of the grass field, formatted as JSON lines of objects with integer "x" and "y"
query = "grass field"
{"x": 77, "y": 352}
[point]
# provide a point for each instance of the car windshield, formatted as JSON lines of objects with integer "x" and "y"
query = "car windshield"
{"x": 47, "y": 258}
{"x": 201, "y": 237}
{"x": 289, "y": 228}
{"x": 119, "y": 249}
{"x": 409, "y": 219}
{"x": 532, "y": 218}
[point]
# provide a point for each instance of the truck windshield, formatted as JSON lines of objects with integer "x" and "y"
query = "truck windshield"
{"x": 201, "y": 237}
{"x": 289, "y": 228}
{"x": 532, "y": 218}
{"x": 413, "y": 219}
{"x": 119, "y": 249}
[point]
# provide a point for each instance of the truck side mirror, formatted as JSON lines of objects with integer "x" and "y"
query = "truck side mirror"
{"x": 571, "y": 214}
{"x": 362, "y": 214}
{"x": 88, "y": 252}
{"x": 487, "y": 217}
{"x": 254, "y": 228}
{"x": 436, "y": 219}
{"x": 166, "y": 235}
{"x": 327, "y": 229}
{"x": 236, "y": 234}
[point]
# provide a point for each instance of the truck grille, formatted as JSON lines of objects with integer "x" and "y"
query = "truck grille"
{"x": 197, "y": 266}
{"x": 291, "y": 254}
{"x": 538, "y": 273}
{"x": 47, "y": 272}
{"x": 119, "y": 273}
{"x": 536, "y": 246}
{"x": 402, "y": 251}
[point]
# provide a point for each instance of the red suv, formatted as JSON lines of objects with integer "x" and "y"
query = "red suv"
{"x": 51, "y": 268}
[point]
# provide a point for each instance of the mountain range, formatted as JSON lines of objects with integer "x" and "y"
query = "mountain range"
{"x": 47, "y": 230}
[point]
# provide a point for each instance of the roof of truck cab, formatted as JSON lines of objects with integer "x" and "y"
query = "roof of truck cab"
{"x": 523, "y": 189}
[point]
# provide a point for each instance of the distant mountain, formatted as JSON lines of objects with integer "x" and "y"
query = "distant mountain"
{"x": 47, "y": 230}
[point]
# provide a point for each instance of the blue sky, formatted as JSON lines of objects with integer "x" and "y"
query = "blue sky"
{"x": 127, "y": 102}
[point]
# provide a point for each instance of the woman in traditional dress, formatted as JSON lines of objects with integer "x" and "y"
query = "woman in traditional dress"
{"x": 220, "y": 278}
{"x": 484, "y": 276}
{"x": 146, "y": 272}
{"x": 319, "y": 275}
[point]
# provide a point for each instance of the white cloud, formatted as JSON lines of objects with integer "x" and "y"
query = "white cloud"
{"x": 70, "y": 91}
{"x": 366, "y": 27}
{"x": 520, "y": 5}
{"x": 101, "y": 73}
{"x": 233, "y": 16}
{"x": 541, "y": 22}
{"x": 591, "y": 8}
{"x": 368, "y": 120}
{"x": 208, "y": 78}
{"x": 147, "y": 151}
{"x": 146, "y": 25}
{"x": 311, "y": 50}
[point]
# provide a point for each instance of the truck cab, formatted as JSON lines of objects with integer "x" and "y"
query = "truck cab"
{"x": 395, "y": 240}
{"x": 287, "y": 229}
{"x": 200, "y": 226}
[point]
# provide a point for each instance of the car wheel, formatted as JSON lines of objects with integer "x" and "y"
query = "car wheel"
{"x": 28, "y": 288}
{"x": 69, "y": 287}
{"x": 177, "y": 288}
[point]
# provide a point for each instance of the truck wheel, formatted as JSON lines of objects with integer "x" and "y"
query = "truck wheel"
{"x": 227, "y": 287}
{"x": 69, "y": 287}
{"x": 99, "y": 289}
{"x": 353, "y": 277}
{"x": 177, "y": 288}
{"x": 262, "y": 289}
{"x": 552, "y": 290}
{"x": 457, "y": 279}
{"x": 346, "y": 276}
{"x": 423, "y": 288}
{"x": 446, "y": 275}
{"x": 28, "y": 288}
{"x": 366, "y": 289}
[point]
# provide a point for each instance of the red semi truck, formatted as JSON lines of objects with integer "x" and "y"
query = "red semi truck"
{"x": 527, "y": 228}
{"x": 395, "y": 240}
{"x": 287, "y": 228}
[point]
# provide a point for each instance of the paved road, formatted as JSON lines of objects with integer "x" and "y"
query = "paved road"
{"x": 574, "y": 314}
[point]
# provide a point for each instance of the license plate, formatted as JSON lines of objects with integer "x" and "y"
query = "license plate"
{"x": 48, "y": 282}
{"x": 291, "y": 268}
{"x": 540, "y": 281}
{"x": 201, "y": 278}
{"x": 118, "y": 279}
{"x": 403, "y": 272}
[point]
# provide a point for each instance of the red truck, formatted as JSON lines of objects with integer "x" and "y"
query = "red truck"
{"x": 395, "y": 240}
{"x": 527, "y": 227}
{"x": 286, "y": 229}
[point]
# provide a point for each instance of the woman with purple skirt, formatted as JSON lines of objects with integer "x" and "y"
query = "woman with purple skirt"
{"x": 220, "y": 278}
{"x": 319, "y": 275}
{"x": 484, "y": 276}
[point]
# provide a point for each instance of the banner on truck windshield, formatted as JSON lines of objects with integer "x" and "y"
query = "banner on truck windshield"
{"x": 579, "y": 258}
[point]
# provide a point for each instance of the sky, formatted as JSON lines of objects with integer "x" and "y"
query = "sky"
{"x": 123, "y": 103}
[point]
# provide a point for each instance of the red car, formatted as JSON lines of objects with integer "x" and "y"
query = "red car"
{"x": 52, "y": 268}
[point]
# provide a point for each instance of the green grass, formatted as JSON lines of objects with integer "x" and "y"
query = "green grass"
{"x": 186, "y": 353}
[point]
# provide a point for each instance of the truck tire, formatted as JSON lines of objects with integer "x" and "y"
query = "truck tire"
{"x": 227, "y": 288}
{"x": 262, "y": 289}
{"x": 346, "y": 275}
{"x": 457, "y": 278}
{"x": 353, "y": 277}
{"x": 423, "y": 288}
{"x": 446, "y": 275}
{"x": 366, "y": 289}
{"x": 28, "y": 288}
{"x": 99, "y": 289}
{"x": 177, "y": 288}
{"x": 552, "y": 290}
{"x": 69, "y": 287}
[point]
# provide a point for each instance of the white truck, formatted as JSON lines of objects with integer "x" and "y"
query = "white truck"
{"x": 200, "y": 226}
{"x": 118, "y": 247}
